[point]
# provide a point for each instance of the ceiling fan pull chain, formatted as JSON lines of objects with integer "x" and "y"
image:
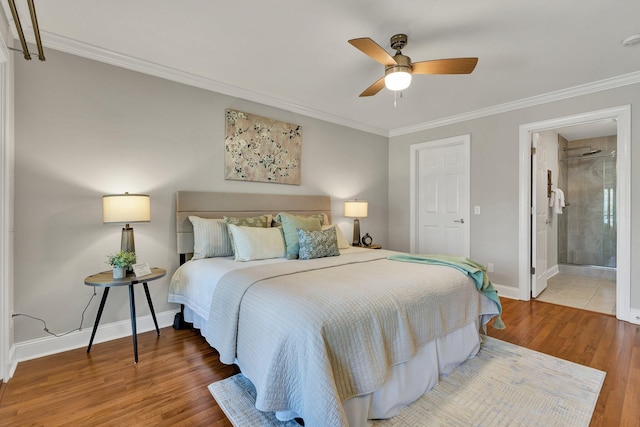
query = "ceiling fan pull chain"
{"x": 395, "y": 98}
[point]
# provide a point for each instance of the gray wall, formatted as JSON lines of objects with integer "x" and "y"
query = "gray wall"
{"x": 84, "y": 129}
{"x": 494, "y": 179}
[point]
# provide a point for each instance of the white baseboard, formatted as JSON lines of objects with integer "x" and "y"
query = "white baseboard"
{"x": 12, "y": 363}
{"x": 40, "y": 347}
{"x": 507, "y": 291}
{"x": 634, "y": 316}
{"x": 552, "y": 271}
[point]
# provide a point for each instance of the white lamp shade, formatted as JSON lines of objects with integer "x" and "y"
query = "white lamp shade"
{"x": 356, "y": 208}
{"x": 397, "y": 80}
{"x": 126, "y": 208}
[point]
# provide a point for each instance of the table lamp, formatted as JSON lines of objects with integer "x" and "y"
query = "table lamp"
{"x": 126, "y": 209}
{"x": 356, "y": 209}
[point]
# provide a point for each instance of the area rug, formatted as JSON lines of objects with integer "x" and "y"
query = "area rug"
{"x": 504, "y": 385}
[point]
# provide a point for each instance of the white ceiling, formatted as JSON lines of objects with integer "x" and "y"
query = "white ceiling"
{"x": 294, "y": 54}
{"x": 589, "y": 130}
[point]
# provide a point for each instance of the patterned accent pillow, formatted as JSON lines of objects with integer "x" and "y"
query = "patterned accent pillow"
{"x": 343, "y": 243}
{"x": 210, "y": 238}
{"x": 318, "y": 244}
{"x": 254, "y": 221}
{"x": 290, "y": 225}
{"x": 323, "y": 218}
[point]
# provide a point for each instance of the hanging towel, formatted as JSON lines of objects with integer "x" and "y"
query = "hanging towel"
{"x": 556, "y": 201}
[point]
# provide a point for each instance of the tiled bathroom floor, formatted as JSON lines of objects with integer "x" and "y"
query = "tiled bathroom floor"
{"x": 589, "y": 293}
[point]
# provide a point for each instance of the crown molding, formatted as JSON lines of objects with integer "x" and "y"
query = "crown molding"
{"x": 584, "y": 89}
{"x": 74, "y": 47}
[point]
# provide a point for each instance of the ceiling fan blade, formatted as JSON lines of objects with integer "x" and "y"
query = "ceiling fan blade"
{"x": 373, "y": 49}
{"x": 445, "y": 66}
{"x": 374, "y": 88}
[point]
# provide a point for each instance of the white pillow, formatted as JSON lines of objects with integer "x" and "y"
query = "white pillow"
{"x": 343, "y": 243}
{"x": 210, "y": 238}
{"x": 254, "y": 243}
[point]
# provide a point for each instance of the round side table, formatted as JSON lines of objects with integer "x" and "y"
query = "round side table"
{"x": 105, "y": 280}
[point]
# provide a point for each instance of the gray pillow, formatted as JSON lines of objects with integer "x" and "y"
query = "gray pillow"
{"x": 210, "y": 238}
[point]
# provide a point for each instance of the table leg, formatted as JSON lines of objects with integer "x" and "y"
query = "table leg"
{"x": 134, "y": 333}
{"x": 153, "y": 313}
{"x": 98, "y": 316}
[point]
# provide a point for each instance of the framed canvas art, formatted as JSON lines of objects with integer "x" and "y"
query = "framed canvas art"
{"x": 261, "y": 149}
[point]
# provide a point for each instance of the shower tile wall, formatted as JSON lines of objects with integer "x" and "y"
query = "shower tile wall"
{"x": 562, "y": 184}
{"x": 587, "y": 229}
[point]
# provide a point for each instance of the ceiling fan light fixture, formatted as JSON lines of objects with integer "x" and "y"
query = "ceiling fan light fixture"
{"x": 397, "y": 78}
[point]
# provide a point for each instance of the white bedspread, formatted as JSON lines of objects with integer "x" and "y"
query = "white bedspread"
{"x": 311, "y": 334}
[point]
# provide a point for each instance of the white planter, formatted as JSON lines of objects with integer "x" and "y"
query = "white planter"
{"x": 119, "y": 272}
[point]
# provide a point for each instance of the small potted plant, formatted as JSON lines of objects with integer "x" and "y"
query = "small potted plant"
{"x": 121, "y": 261}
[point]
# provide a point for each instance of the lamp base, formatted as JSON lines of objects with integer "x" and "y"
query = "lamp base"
{"x": 356, "y": 232}
{"x": 127, "y": 244}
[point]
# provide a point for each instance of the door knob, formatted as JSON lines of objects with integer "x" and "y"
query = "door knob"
{"x": 461, "y": 220}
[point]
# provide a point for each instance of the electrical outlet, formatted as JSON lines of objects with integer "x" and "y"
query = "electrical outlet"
{"x": 476, "y": 210}
{"x": 489, "y": 267}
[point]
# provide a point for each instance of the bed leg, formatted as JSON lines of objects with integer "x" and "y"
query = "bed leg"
{"x": 178, "y": 320}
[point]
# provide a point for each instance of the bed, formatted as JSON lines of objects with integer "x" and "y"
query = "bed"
{"x": 334, "y": 340}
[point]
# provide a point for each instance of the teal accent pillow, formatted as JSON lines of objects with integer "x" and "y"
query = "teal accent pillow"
{"x": 318, "y": 244}
{"x": 290, "y": 226}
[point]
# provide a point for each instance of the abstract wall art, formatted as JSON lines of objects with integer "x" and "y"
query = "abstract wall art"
{"x": 261, "y": 149}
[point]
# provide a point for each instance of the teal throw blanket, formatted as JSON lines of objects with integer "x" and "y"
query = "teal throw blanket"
{"x": 476, "y": 271}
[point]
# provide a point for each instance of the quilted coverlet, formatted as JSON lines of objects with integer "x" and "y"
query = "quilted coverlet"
{"x": 311, "y": 334}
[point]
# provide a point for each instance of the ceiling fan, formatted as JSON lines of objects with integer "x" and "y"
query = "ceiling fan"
{"x": 399, "y": 68}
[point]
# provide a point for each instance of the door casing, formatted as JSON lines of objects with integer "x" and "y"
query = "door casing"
{"x": 622, "y": 115}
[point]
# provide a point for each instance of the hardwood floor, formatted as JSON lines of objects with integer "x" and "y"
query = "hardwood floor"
{"x": 167, "y": 387}
{"x": 169, "y": 384}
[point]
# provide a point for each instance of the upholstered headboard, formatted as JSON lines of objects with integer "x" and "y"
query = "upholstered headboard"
{"x": 218, "y": 205}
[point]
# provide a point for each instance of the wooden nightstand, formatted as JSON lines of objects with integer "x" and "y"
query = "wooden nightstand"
{"x": 105, "y": 280}
{"x": 374, "y": 246}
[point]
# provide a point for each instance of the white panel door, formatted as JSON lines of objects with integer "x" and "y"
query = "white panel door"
{"x": 442, "y": 197}
{"x": 540, "y": 210}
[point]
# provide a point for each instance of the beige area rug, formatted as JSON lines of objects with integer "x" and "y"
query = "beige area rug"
{"x": 504, "y": 385}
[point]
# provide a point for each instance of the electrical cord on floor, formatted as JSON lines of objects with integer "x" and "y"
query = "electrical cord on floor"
{"x": 46, "y": 329}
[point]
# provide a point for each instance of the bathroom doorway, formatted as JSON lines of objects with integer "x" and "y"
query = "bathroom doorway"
{"x": 584, "y": 230}
{"x": 620, "y": 210}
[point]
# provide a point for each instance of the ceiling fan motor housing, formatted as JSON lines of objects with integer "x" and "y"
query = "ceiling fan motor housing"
{"x": 403, "y": 63}
{"x": 398, "y": 42}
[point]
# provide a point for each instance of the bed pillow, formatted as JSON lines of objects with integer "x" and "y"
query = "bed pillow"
{"x": 210, "y": 238}
{"x": 343, "y": 243}
{"x": 252, "y": 221}
{"x": 318, "y": 244}
{"x": 262, "y": 221}
{"x": 254, "y": 243}
{"x": 323, "y": 218}
{"x": 290, "y": 225}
